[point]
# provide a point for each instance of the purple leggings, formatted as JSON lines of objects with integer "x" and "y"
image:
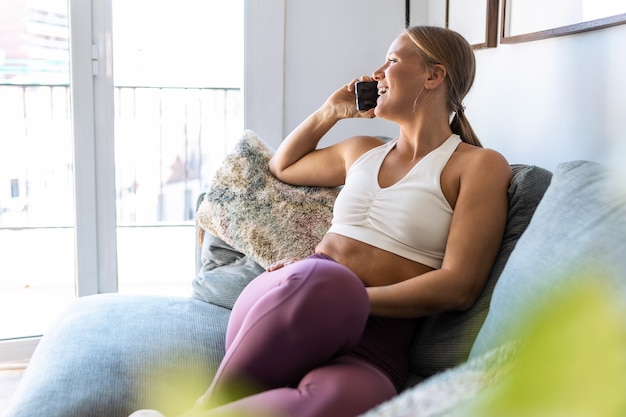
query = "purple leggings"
{"x": 290, "y": 347}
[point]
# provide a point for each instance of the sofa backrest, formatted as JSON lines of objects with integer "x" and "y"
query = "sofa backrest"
{"x": 578, "y": 231}
{"x": 445, "y": 340}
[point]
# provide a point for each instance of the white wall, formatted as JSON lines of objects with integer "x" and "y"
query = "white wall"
{"x": 553, "y": 100}
{"x": 328, "y": 44}
{"x": 324, "y": 44}
{"x": 538, "y": 102}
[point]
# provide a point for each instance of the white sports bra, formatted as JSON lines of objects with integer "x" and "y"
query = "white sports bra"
{"x": 410, "y": 218}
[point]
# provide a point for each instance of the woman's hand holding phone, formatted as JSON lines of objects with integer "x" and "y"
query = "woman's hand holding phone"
{"x": 343, "y": 102}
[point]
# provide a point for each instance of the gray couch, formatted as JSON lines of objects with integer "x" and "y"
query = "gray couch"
{"x": 108, "y": 355}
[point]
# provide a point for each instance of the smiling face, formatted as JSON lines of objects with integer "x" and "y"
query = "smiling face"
{"x": 401, "y": 81}
{"x": 428, "y": 72}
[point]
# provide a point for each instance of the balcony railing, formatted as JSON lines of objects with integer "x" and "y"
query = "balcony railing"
{"x": 168, "y": 143}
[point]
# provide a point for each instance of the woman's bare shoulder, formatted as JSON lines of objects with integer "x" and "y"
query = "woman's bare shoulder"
{"x": 364, "y": 142}
{"x": 472, "y": 166}
{"x": 352, "y": 148}
{"x": 476, "y": 159}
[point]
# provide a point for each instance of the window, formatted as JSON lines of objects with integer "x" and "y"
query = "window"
{"x": 101, "y": 172}
{"x": 36, "y": 199}
{"x": 178, "y": 101}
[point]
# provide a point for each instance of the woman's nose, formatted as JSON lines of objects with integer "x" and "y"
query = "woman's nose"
{"x": 379, "y": 74}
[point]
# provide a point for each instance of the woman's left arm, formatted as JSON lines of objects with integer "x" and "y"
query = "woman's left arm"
{"x": 475, "y": 235}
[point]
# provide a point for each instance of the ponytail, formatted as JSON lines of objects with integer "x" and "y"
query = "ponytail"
{"x": 462, "y": 127}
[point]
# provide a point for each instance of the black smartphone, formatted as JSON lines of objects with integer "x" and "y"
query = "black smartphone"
{"x": 366, "y": 95}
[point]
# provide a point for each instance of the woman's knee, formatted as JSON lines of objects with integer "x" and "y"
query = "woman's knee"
{"x": 312, "y": 301}
{"x": 325, "y": 284}
{"x": 334, "y": 279}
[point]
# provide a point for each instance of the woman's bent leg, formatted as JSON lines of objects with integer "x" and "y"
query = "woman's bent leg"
{"x": 286, "y": 323}
{"x": 346, "y": 387}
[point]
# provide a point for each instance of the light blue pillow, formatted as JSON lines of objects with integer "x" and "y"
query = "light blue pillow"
{"x": 111, "y": 354}
{"x": 578, "y": 229}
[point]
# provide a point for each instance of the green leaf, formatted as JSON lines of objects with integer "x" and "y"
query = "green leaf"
{"x": 571, "y": 360}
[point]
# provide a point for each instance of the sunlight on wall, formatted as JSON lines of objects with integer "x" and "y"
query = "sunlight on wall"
{"x": 535, "y": 15}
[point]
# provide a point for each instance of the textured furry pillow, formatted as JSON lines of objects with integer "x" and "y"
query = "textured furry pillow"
{"x": 264, "y": 218}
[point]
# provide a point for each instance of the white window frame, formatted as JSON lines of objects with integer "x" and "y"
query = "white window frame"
{"x": 91, "y": 66}
{"x": 91, "y": 88}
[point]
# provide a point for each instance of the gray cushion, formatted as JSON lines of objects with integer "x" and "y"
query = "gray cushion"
{"x": 578, "y": 229}
{"x": 109, "y": 355}
{"x": 224, "y": 272}
{"x": 445, "y": 340}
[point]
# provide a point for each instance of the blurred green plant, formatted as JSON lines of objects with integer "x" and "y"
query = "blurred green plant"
{"x": 571, "y": 360}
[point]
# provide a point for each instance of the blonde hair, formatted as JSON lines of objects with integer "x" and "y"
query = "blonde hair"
{"x": 446, "y": 47}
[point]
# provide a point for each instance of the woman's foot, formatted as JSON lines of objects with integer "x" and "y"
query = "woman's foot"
{"x": 146, "y": 413}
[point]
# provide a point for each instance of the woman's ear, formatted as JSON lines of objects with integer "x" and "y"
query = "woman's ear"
{"x": 437, "y": 76}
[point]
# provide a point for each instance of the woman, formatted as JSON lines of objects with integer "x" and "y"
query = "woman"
{"x": 415, "y": 230}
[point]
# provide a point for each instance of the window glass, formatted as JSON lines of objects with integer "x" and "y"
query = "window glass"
{"x": 36, "y": 171}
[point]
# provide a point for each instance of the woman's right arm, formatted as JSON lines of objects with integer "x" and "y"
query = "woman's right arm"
{"x": 298, "y": 161}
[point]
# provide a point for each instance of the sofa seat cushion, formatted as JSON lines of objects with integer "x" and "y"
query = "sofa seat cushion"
{"x": 578, "y": 230}
{"x": 108, "y": 355}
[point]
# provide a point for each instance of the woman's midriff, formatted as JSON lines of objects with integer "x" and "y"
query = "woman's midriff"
{"x": 374, "y": 266}
{"x": 385, "y": 341}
